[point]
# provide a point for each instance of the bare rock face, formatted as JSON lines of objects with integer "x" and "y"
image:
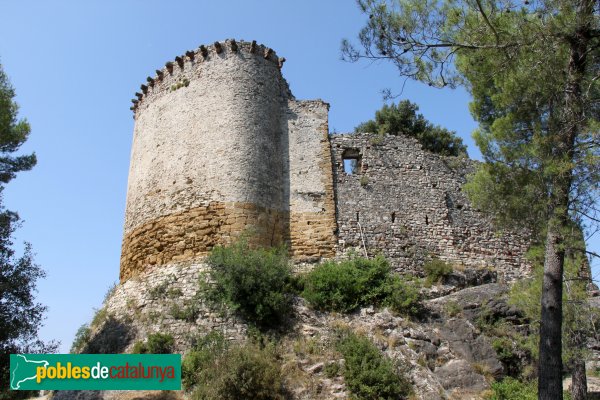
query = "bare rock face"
{"x": 464, "y": 341}
{"x": 460, "y": 374}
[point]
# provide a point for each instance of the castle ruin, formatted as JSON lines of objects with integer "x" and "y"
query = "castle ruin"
{"x": 221, "y": 146}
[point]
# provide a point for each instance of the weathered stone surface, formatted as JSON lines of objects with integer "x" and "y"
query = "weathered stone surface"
{"x": 221, "y": 147}
{"x": 464, "y": 340}
{"x": 459, "y": 374}
{"x": 407, "y": 203}
{"x": 189, "y": 235}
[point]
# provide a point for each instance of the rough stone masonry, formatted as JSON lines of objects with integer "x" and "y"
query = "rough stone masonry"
{"x": 222, "y": 147}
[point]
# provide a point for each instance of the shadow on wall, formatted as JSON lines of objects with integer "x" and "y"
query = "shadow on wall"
{"x": 113, "y": 337}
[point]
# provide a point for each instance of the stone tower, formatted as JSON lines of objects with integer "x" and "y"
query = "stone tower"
{"x": 210, "y": 159}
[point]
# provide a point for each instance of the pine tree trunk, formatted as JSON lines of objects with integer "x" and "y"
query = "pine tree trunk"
{"x": 550, "y": 364}
{"x": 579, "y": 384}
{"x": 562, "y": 144}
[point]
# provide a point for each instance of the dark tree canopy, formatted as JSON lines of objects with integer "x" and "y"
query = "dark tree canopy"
{"x": 20, "y": 315}
{"x": 13, "y": 133}
{"x": 403, "y": 119}
{"x": 532, "y": 68}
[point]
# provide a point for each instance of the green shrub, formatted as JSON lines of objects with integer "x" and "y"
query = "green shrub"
{"x": 109, "y": 292}
{"x": 204, "y": 351}
{"x": 99, "y": 318}
{"x": 368, "y": 373}
{"x": 452, "y": 308}
{"x": 81, "y": 338}
{"x": 139, "y": 347}
{"x": 512, "y": 389}
{"x": 401, "y": 296}
{"x": 254, "y": 282}
{"x": 332, "y": 370}
{"x": 157, "y": 343}
{"x": 189, "y": 312}
{"x": 346, "y": 285}
{"x": 436, "y": 270}
{"x": 213, "y": 370}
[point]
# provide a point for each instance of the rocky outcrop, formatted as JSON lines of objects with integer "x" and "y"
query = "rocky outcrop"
{"x": 444, "y": 354}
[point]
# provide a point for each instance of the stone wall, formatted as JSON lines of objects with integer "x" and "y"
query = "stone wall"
{"x": 311, "y": 197}
{"x": 407, "y": 203}
{"x": 164, "y": 299}
{"x": 220, "y": 147}
{"x": 190, "y": 234}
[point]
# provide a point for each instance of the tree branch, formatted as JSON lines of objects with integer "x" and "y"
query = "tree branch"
{"x": 487, "y": 21}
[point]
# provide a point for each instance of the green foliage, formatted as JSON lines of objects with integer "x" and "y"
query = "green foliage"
{"x": 100, "y": 316}
{"x": 109, "y": 292}
{"x": 494, "y": 188}
{"x": 436, "y": 270}
{"x": 204, "y": 351}
{"x": 401, "y": 296}
{"x": 402, "y": 119}
{"x": 346, "y": 285}
{"x": 109, "y": 337}
{"x": 332, "y": 370}
{"x": 452, "y": 308}
{"x": 182, "y": 83}
{"x": 514, "y": 348}
{"x": 579, "y": 318}
{"x": 364, "y": 180}
{"x": 81, "y": 338}
{"x": 139, "y": 348}
{"x": 157, "y": 343}
{"x": 213, "y": 370}
{"x": 512, "y": 389}
{"x": 20, "y": 316}
{"x": 531, "y": 68}
{"x": 13, "y": 133}
{"x": 368, "y": 373}
{"x": 189, "y": 312}
{"x": 255, "y": 282}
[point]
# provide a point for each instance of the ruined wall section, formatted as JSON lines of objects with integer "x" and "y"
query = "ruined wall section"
{"x": 310, "y": 187}
{"x": 207, "y": 158}
{"x": 407, "y": 203}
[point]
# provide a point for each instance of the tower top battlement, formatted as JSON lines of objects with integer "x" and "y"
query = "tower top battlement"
{"x": 175, "y": 73}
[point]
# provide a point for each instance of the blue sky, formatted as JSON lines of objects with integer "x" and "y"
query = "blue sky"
{"x": 77, "y": 64}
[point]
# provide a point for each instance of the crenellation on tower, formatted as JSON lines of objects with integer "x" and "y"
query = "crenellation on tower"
{"x": 192, "y": 59}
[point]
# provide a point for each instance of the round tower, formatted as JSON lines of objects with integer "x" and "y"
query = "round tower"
{"x": 207, "y": 158}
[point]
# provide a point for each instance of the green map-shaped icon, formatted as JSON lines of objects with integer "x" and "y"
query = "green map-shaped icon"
{"x": 23, "y": 369}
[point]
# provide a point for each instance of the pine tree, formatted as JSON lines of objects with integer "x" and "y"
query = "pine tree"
{"x": 532, "y": 69}
{"x": 20, "y": 315}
